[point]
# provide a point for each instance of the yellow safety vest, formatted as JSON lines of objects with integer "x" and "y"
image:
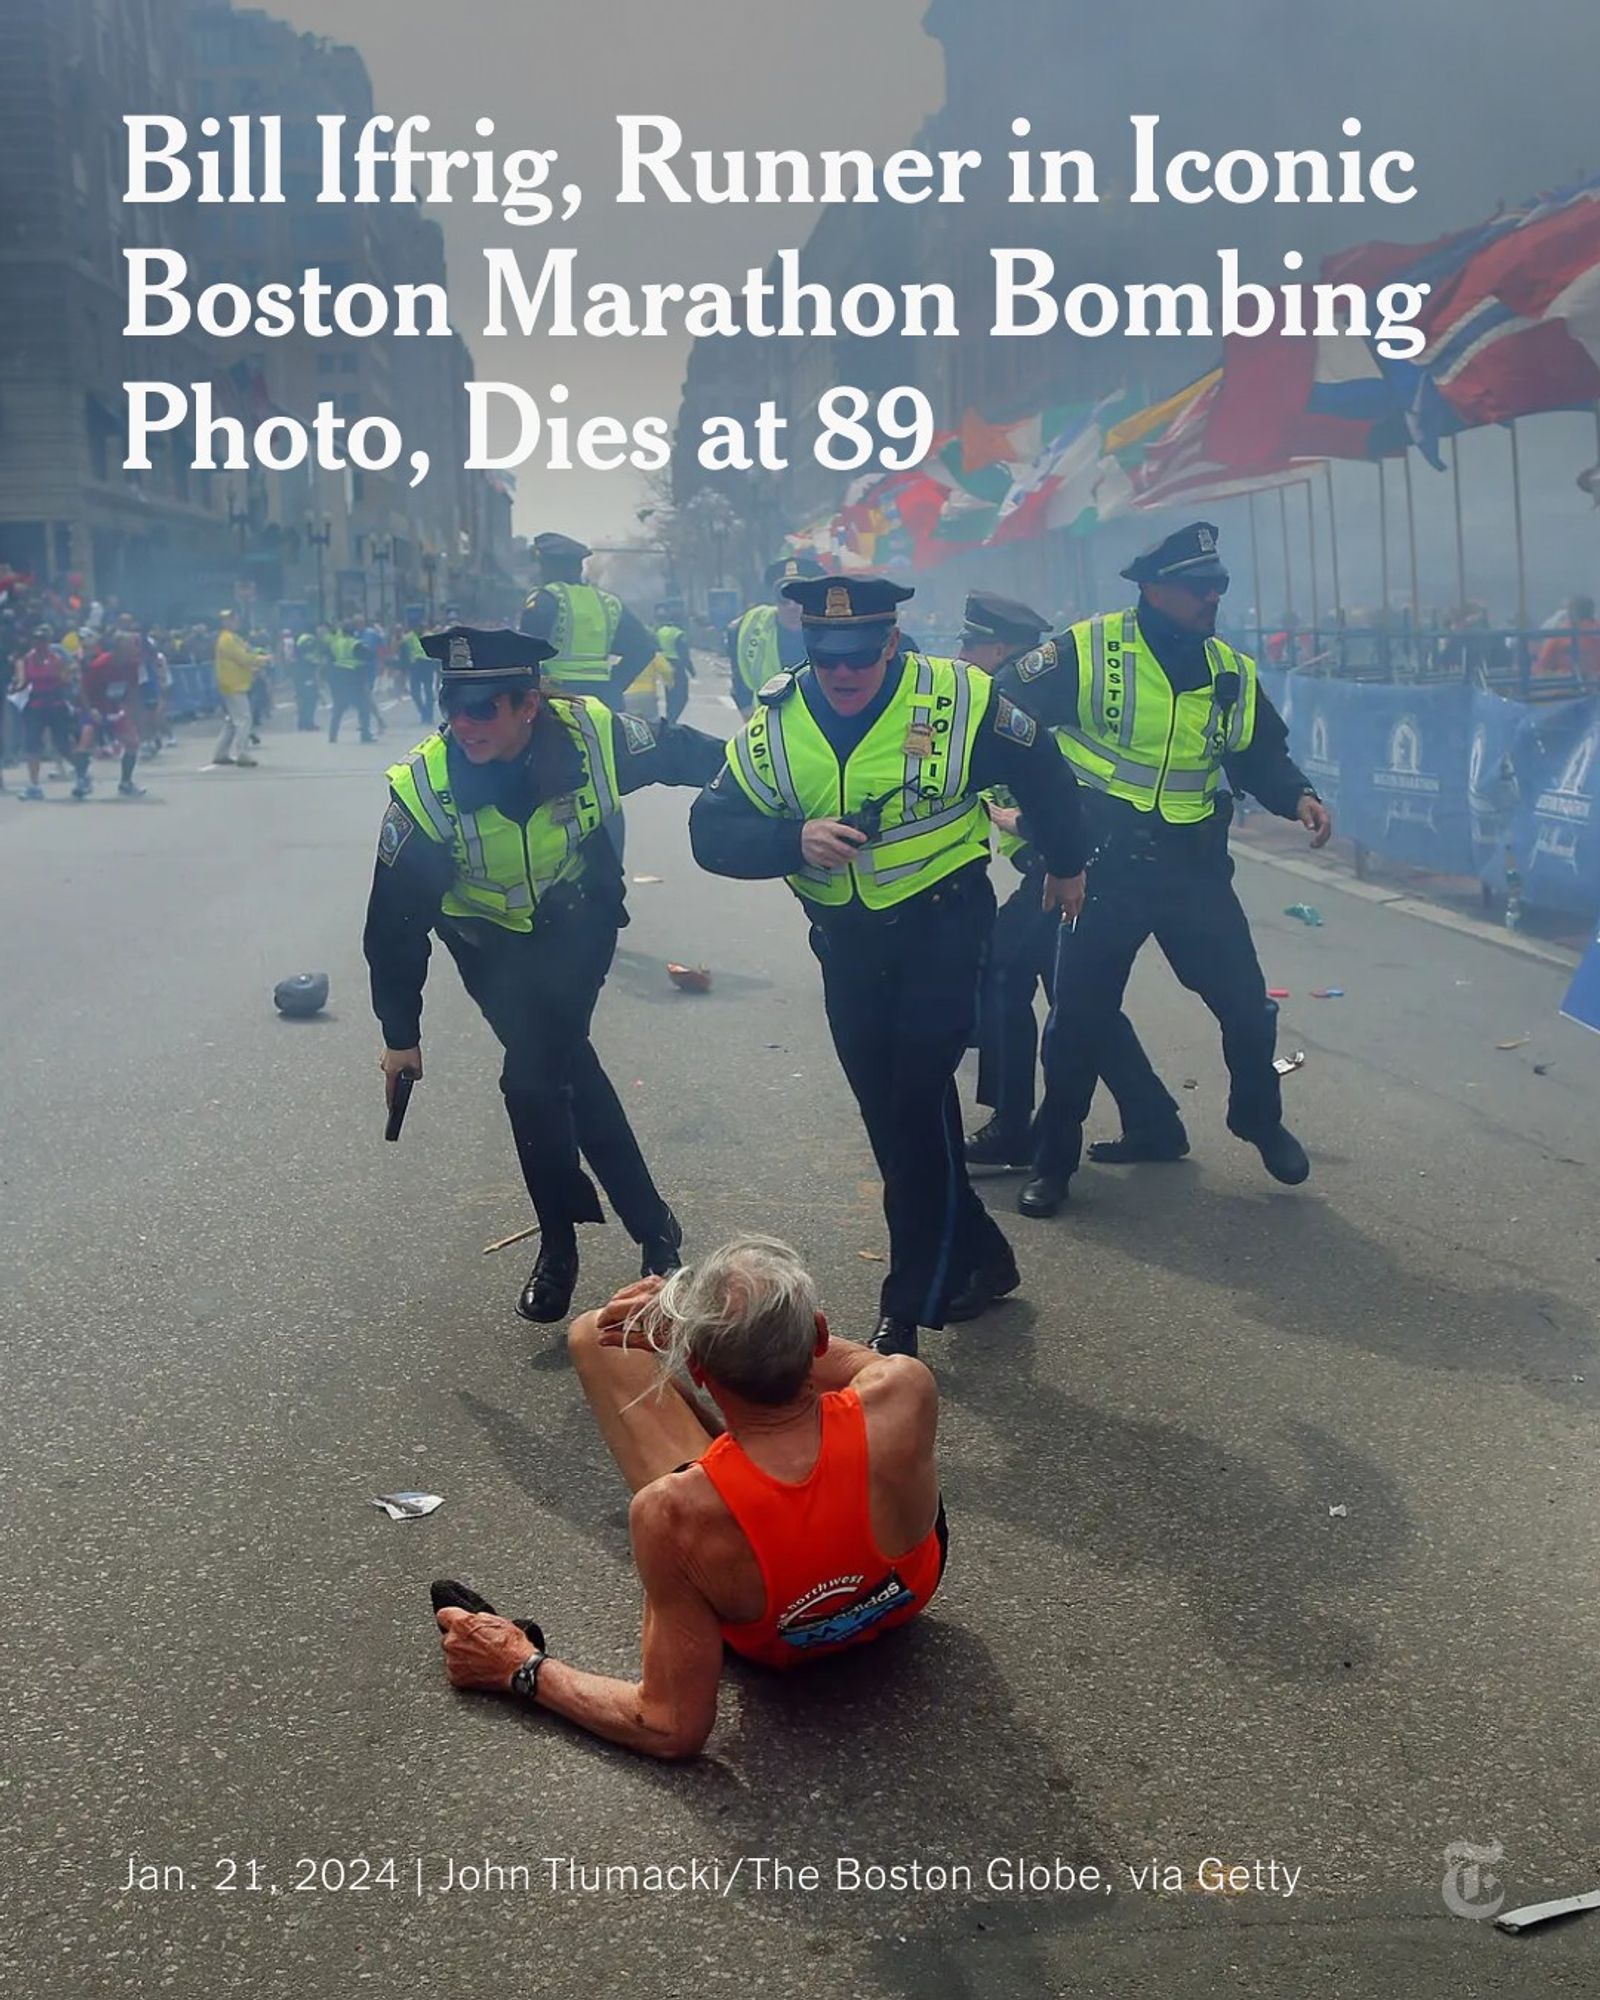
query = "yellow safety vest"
{"x": 586, "y": 624}
{"x": 1138, "y": 740}
{"x": 668, "y": 638}
{"x": 502, "y": 869}
{"x": 755, "y": 646}
{"x": 916, "y": 759}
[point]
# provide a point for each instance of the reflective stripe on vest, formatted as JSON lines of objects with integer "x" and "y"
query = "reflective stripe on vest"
{"x": 1139, "y": 741}
{"x": 502, "y": 869}
{"x": 586, "y": 623}
{"x": 932, "y": 821}
{"x": 757, "y": 646}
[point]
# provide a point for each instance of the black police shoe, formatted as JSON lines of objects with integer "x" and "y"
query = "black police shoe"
{"x": 1134, "y": 1147}
{"x": 447, "y": 1593}
{"x": 662, "y": 1253}
{"x": 894, "y": 1336}
{"x": 996, "y": 1146}
{"x": 989, "y": 1282}
{"x": 1043, "y": 1195}
{"x": 547, "y": 1296}
{"x": 1283, "y": 1156}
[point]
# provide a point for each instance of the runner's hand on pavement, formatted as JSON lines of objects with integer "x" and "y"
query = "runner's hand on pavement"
{"x": 393, "y": 1062}
{"x": 481, "y": 1649}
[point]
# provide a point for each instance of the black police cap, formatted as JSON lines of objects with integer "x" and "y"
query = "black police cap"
{"x": 845, "y": 614}
{"x": 993, "y": 619}
{"x": 471, "y": 655}
{"x": 1187, "y": 556}
{"x": 792, "y": 569}
{"x": 561, "y": 545}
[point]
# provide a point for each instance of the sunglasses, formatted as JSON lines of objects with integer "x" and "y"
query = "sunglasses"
{"x": 476, "y": 708}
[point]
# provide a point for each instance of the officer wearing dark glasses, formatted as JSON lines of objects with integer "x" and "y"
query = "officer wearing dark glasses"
{"x": 1152, "y": 710}
{"x": 496, "y": 839}
{"x": 860, "y": 778}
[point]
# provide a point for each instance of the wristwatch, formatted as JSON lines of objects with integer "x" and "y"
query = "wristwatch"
{"x": 525, "y": 1681}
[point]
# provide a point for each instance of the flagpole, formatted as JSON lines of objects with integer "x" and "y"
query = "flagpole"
{"x": 1383, "y": 563}
{"x": 1516, "y": 509}
{"x": 1311, "y": 545}
{"x": 1289, "y": 618}
{"x": 1411, "y": 545}
{"x": 1461, "y": 539}
{"x": 1333, "y": 539}
{"x": 1255, "y": 565}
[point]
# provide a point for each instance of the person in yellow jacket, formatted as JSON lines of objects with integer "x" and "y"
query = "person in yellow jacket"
{"x": 598, "y": 646}
{"x": 496, "y": 841}
{"x": 236, "y": 663}
{"x": 1152, "y": 710}
{"x": 766, "y": 639}
{"x": 860, "y": 779}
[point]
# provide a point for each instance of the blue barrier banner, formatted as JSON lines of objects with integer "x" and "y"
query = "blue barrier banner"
{"x": 1492, "y": 789}
{"x": 1556, "y": 835}
{"x": 1582, "y": 1003}
{"x": 1405, "y": 756}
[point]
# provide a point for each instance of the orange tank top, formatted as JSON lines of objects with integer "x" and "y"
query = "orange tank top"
{"x": 828, "y": 1584}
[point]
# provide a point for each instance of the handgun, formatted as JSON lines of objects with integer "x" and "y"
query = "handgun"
{"x": 398, "y": 1101}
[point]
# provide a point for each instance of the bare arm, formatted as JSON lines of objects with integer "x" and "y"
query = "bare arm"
{"x": 669, "y": 1710}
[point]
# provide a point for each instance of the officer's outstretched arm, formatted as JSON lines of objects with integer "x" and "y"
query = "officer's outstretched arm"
{"x": 1013, "y": 750}
{"x": 400, "y": 911}
{"x": 665, "y": 753}
{"x": 729, "y": 836}
{"x": 1266, "y": 770}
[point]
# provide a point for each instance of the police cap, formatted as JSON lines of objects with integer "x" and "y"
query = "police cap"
{"x": 846, "y": 615}
{"x": 1187, "y": 556}
{"x": 561, "y": 546}
{"x": 791, "y": 569}
{"x": 994, "y": 620}
{"x": 473, "y": 656}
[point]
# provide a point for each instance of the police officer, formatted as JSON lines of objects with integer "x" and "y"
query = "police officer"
{"x": 673, "y": 641}
{"x": 1151, "y": 709}
{"x": 598, "y": 646}
{"x": 859, "y": 778}
{"x": 1022, "y": 957}
{"x": 494, "y": 838}
{"x": 765, "y": 639}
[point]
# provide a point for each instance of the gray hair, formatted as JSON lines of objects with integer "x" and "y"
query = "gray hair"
{"x": 747, "y": 1314}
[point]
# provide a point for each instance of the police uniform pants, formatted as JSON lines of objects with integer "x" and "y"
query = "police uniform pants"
{"x": 538, "y": 994}
{"x": 347, "y": 689}
{"x": 1190, "y": 908}
{"x": 1021, "y": 958}
{"x": 899, "y": 988}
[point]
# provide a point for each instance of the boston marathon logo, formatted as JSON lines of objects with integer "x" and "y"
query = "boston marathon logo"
{"x": 1564, "y": 811}
{"x": 1320, "y": 764}
{"x": 1411, "y": 791}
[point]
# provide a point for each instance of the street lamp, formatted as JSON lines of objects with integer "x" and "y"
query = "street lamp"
{"x": 319, "y": 538}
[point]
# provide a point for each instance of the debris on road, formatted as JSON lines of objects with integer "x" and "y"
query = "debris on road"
{"x": 1191, "y": 1083}
{"x": 1308, "y": 913}
{"x": 505, "y": 1242}
{"x": 301, "y": 996}
{"x": 1520, "y": 1042}
{"x": 644, "y": 878}
{"x": 690, "y": 978}
{"x": 870, "y": 1256}
{"x": 1327, "y": 992}
{"x": 1543, "y": 1069}
{"x": 1277, "y": 992}
{"x": 1284, "y": 1064}
{"x": 1542, "y": 1913}
{"x": 1339, "y": 1513}
{"x": 408, "y": 1506}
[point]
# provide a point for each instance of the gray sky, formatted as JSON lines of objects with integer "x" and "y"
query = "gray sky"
{"x": 733, "y": 73}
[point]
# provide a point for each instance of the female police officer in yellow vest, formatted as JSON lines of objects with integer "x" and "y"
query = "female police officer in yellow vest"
{"x": 496, "y": 838}
{"x": 859, "y": 778}
{"x": 1151, "y": 709}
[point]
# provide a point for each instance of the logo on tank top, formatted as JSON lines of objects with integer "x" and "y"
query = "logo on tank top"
{"x": 840, "y": 1610}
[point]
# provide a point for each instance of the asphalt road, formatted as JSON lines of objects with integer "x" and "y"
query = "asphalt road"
{"x": 232, "y": 1315}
